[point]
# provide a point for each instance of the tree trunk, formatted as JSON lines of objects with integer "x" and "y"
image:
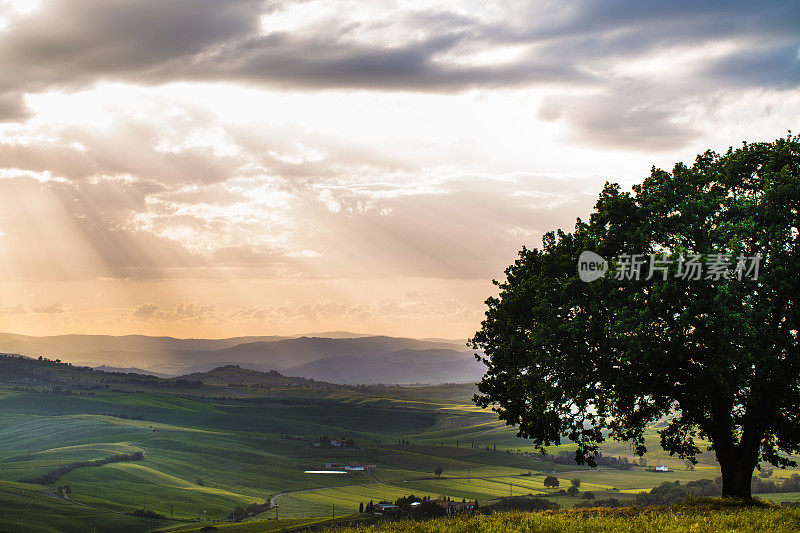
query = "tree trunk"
{"x": 737, "y": 475}
{"x": 737, "y": 460}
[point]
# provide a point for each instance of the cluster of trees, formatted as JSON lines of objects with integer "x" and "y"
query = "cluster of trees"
{"x": 574, "y": 488}
{"x": 568, "y": 458}
{"x": 789, "y": 484}
{"x": 552, "y": 482}
{"x": 53, "y": 475}
{"x": 240, "y": 513}
{"x": 675, "y": 492}
{"x": 606, "y": 502}
{"x": 138, "y": 379}
{"x": 427, "y": 508}
{"x": 620, "y": 463}
{"x": 524, "y": 503}
{"x": 184, "y": 383}
{"x": 669, "y": 493}
{"x": 147, "y": 513}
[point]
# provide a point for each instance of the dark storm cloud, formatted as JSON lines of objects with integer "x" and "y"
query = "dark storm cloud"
{"x": 80, "y": 41}
{"x": 777, "y": 66}
{"x": 70, "y": 42}
{"x": 323, "y": 63}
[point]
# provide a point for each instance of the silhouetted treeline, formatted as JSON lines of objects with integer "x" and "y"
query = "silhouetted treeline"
{"x": 789, "y": 484}
{"x": 568, "y": 458}
{"x": 147, "y": 513}
{"x": 524, "y": 503}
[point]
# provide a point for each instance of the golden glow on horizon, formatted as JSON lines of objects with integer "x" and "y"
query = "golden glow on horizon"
{"x": 252, "y": 169}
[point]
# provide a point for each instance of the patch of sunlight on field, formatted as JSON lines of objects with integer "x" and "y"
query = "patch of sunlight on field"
{"x": 45, "y": 432}
{"x": 109, "y": 448}
{"x": 341, "y": 500}
{"x": 418, "y": 459}
{"x": 150, "y": 475}
{"x": 475, "y": 488}
{"x": 147, "y": 425}
{"x": 258, "y": 525}
{"x": 31, "y": 508}
{"x": 778, "y": 497}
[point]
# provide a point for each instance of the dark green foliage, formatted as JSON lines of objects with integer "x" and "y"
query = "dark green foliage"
{"x": 523, "y": 503}
{"x": 719, "y": 358}
{"x": 551, "y": 481}
{"x": 607, "y": 502}
{"x": 147, "y": 513}
{"x": 669, "y": 493}
{"x": 428, "y": 509}
{"x": 790, "y": 484}
{"x": 253, "y": 509}
{"x": 705, "y": 487}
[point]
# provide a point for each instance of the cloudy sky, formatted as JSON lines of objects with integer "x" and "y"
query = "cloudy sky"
{"x": 216, "y": 168}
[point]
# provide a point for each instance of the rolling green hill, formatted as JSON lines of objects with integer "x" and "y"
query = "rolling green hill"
{"x": 209, "y": 447}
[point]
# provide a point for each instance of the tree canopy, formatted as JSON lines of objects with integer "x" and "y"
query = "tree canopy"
{"x": 695, "y": 320}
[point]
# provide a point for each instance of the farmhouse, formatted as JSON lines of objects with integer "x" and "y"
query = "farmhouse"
{"x": 355, "y": 465}
{"x": 380, "y": 508}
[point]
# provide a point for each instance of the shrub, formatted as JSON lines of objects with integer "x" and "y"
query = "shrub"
{"x": 524, "y": 503}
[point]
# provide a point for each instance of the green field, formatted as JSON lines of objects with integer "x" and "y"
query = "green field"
{"x": 208, "y": 449}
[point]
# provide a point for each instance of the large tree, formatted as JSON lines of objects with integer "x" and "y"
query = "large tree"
{"x": 713, "y": 351}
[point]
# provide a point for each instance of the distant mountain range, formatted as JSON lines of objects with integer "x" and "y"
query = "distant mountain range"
{"x": 336, "y": 357}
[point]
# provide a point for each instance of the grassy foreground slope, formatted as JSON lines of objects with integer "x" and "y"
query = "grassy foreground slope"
{"x": 677, "y": 519}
